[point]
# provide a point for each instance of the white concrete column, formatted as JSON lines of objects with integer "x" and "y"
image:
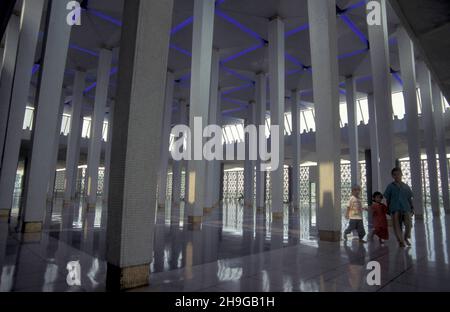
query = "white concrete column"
{"x": 165, "y": 139}
{"x": 177, "y": 166}
{"x": 441, "y": 146}
{"x": 261, "y": 102}
{"x": 211, "y": 177}
{"x": 184, "y": 164}
{"x": 97, "y": 119}
{"x": 249, "y": 165}
{"x": 108, "y": 153}
{"x": 136, "y": 142}
{"x": 408, "y": 69}
{"x": 199, "y": 103}
{"x": 352, "y": 113}
{"x": 55, "y": 152}
{"x": 381, "y": 77}
{"x": 424, "y": 78}
{"x": 74, "y": 138}
{"x": 218, "y": 164}
{"x": 323, "y": 34}
{"x": 45, "y": 124}
{"x": 7, "y": 75}
{"x": 28, "y": 37}
{"x": 375, "y": 156}
{"x": 277, "y": 99}
{"x": 296, "y": 148}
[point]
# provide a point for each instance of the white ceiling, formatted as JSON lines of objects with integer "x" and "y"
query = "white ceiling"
{"x": 100, "y": 29}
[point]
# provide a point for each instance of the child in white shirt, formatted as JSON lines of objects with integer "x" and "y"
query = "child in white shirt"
{"x": 355, "y": 214}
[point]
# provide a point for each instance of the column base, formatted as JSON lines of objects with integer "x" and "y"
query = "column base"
{"x": 4, "y": 214}
{"x": 329, "y": 236}
{"x": 32, "y": 227}
{"x": 194, "y": 222}
{"x": 118, "y": 279}
{"x": 207, "y": 210}
{"x": 277, "y": 215}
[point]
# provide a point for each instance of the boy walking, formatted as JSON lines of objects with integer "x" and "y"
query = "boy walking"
{"x": 399, "y": 201}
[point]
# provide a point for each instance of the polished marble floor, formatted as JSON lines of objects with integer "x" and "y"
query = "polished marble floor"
{"x": 236, "y": 249}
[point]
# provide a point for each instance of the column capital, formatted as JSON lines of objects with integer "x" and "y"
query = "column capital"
{"x": 275, "y": 17}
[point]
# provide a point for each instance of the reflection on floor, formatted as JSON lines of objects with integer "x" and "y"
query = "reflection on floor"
{"x": 236, "y": 250}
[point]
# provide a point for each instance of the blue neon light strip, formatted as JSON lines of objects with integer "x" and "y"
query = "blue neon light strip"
{"x": 234, "y": 110}
{"x": 297, "y": 30}
{"x": 35, "y": 68}
{"x": 398, "y": 78}
{"x": 236, "y": 74}
{"x": 105, "y": 17}
{"x": 355, "y": 29}
{"x": 181, "y": 50}
{"x": 240, "y": 103}
{"x": 294, "y": 71}
{"x": 239, "y": 25}
{"x": 93, "y": 85}
{"x": 294, "y": 60}
{"x": 78, "y": 48}
{"x": 239, "y": 54}
{"x": 243, "y": 87}
{"x": 351, "y": 54}
{"x": 182, "y": 25}
{"x": 355, "y": 6}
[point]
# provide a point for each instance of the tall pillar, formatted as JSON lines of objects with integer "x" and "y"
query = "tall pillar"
{"x": 29, "y": 30}
{"x": 424, "y": 78}
{"x": 45, "y": 125}
{"x": 352, "y": 112}
{"x": 408, "y": 69}
{"x": 218, "y": 164}
{"x": 249, "y": 165}
{"x": 55, "y": 152}
{"x": 138, "y": 110}
{"x": 97, "y": 119}
{"x": 73, "y": 141}
{"x": 322, "y": 19}
{"x": 369, "y": 189}
{"x": 379, "y": 55}
{"x": 211, "y": 177}
{"x": 108, "y": 153}
{"x": 442, "y": 150}
{"x": 165, "y": 139}
{"x": 277, "y": 95}
{"x": 373, "y": 133}
{"x": 7, "y": 75}
{"x": 295, "y": 141}
{"x": 177, "y": 165}
{"x": 261, "y": 102}
{"x": 199, "y": 103}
